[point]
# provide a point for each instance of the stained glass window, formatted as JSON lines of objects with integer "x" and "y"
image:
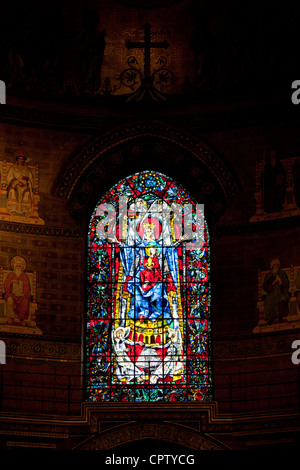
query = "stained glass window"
{"x": 148, "y": 326}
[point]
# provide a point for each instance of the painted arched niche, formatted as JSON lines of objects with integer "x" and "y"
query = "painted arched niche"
{"x": 148, "y": 325}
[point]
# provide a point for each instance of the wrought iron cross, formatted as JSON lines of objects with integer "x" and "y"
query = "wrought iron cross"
{"x": 147, "y": 45}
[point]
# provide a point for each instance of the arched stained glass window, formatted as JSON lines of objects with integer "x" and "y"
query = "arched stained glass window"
{"x": 148, "y": 333}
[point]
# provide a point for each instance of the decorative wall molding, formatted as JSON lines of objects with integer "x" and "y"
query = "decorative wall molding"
{"x": 133, "y": 423}
{"x": 226, "y": 349}
{"x": 257, "y": 227}
{"x": 26, "y": 229}
{"x": 259, "y": 346}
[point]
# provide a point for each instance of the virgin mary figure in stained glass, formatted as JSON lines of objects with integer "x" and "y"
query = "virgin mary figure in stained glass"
{"x": 141, "y": 338}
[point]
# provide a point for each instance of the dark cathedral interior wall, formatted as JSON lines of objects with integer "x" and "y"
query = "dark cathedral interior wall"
{"x": 79, "y": 108}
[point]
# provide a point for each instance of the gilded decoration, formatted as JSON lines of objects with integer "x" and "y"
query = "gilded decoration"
{"x": 19, "y": 190}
